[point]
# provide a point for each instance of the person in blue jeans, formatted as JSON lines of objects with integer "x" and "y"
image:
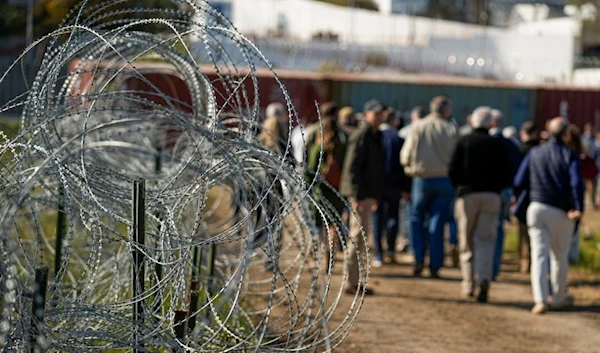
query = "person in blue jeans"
{"x": 431, "y": 199}
{"x": 505, "y": 198}
{"x": 425, "y": 156}
{"x": 453, "y": 229}
{"x": 386, "y": 219}
{"x": 506, "y": 194}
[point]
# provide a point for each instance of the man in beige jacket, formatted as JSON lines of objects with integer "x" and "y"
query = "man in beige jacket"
{"x": 425, "y": 156}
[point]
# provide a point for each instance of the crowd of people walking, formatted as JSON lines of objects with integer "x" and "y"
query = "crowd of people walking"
{"x": 436, "y": 173}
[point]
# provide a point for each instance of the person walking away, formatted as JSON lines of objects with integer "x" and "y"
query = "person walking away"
{"x": 363, "y": 180}
{"x": 467, "y": 128}
{"x": 529, "y": 136}
{"x": 510, "y": 133}
{"x": 332, "y": 142}
{"x": 425, "y": 157}
{"x": 479, "y": 170}
{"x": 506, "y": 194}
{"x": 298, "y": 139}
{"x": 416, "y": 114}
{"x": 591, "y": 151}
{"x": 347, "y": 120}
{"x": 589, "y": 172}
{"x": 452, "y": 226}
{"x": 272, "y": 138}
{"x": 386, "y": 219}
{"x": 552, "y": 174}
{"x": 596, "y": 156}
{"x": 272, "y": 135}
{"x": 587, "y": 139}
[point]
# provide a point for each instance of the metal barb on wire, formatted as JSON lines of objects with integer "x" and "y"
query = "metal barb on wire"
{"x": 168, "y": 98}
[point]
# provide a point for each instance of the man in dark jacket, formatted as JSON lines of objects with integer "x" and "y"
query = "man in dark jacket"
{"x": 506, "y": 194}
{"x": 479, "y": 170}
{"x": 552, "y": 174}
{"x": 363, "y": 184}
{"x": 529, "y": 139}
{"x": 386, "y": 219}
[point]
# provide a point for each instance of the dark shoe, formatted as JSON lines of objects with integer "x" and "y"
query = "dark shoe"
{"x": 484, "y": 287}
{"x": 353, "y": 289}
{"x": 390, "y": 258}
{"x": 434, "y": 274}
{"x": 418, "y": 270}
{"x": 566, "y": 304}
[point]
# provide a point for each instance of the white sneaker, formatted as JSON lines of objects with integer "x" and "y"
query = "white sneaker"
{"x": 376, "y": 263}
{"x": 540, "y": 308}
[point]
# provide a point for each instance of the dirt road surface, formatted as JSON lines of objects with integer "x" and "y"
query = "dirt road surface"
{"x": 419, "y": 315}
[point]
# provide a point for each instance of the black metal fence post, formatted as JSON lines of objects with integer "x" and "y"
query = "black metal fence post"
{"x": 139, "y": 273}
{"x": 36, "y": 335}
{"x": 61, "y": 229}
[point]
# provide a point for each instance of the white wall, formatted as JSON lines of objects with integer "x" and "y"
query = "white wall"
{"x": 536, "y": 51}
{"x": 529, "y": 58}
{"x": 587, "y": 77}
{"x": 556, "y": 26}
{"x": 305, "y": 18}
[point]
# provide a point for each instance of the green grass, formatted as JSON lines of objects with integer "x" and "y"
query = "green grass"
{"x": 589, "y": 253}
{"x": 9, "y": 126}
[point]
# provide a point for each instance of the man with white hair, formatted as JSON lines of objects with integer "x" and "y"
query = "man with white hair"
{"x": 479, "y": 170}
{"x": 552, "y": 174}
{"x": 506, "y": 194}
{"x": 510, "y": 133}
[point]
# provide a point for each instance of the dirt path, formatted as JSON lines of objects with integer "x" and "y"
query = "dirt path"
{"x": 423, "y": 315}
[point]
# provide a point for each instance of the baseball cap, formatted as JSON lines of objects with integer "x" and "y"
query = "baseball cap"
{"x": 374, "y": 106}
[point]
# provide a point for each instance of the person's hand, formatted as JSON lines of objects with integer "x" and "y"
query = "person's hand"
{"x": 360, "y": 204}
{"x": 574, "y": 215}
{"x": 374, "y": 206}
{"x": 407, "y": 196}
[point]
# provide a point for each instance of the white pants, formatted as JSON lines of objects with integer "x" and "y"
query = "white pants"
{"x": 550, "y": 231}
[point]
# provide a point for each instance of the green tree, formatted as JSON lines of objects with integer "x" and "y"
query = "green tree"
{"x": 13, "y": 19}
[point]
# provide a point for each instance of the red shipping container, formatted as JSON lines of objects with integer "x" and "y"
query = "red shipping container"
{"x": 303, "y": 88}
{"x": 580, "y": 106}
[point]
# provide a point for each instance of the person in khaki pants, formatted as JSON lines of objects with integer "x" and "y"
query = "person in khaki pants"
{"x": 479, "y": 169}
{"x": 363, "y": 182}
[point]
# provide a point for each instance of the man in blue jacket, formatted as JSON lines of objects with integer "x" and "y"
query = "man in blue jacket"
{"x": 386, "y": 220}
{"x": 552, "y": 173}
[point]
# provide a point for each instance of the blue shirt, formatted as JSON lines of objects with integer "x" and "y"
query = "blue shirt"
{"x": 395, "y": 178}
{"x": 552, "y": 174}
{"x": 513, "y": 152}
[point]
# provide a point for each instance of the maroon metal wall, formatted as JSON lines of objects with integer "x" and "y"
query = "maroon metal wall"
{"x": 169, "y": 85}
{"x": 581, "y": 106}
{"x": 303, "y": 88}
